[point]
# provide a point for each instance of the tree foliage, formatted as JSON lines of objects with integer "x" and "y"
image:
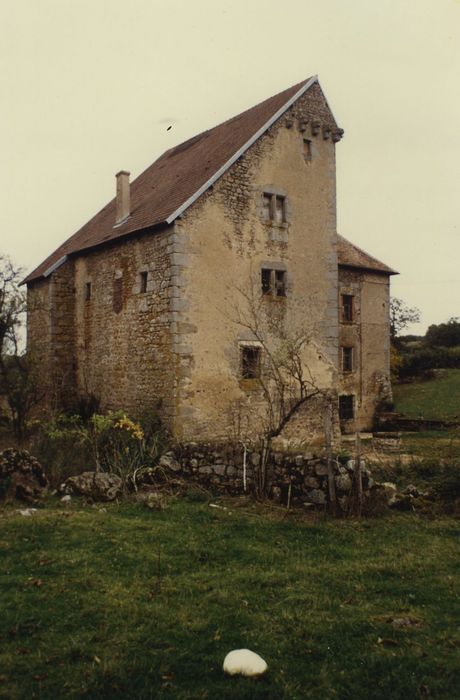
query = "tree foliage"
{"x": 401, "y": 316}
{"x": 445, "y": 335}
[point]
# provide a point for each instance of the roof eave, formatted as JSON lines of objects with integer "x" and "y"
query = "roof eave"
{"x": 366, "y": 268}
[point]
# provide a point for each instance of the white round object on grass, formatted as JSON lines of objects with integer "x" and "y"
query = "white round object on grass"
{"x": 244, "y": 662}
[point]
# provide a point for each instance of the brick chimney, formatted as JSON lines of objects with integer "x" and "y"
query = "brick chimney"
{"x": 123, "y": 203}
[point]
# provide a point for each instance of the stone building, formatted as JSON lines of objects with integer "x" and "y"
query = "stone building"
{"x": 144, "y": 304}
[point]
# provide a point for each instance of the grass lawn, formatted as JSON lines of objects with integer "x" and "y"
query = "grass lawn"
{"x": 435, "y": 399}
{"x": 133, "y": 603}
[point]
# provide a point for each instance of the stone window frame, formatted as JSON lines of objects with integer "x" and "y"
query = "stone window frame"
{"x": 307, "y": 149}
{"x": 143, "y": 281}
{"x": 273, "y": 280}
{"x": 274, "y": 192}
{"x": 344, "y": 410}
{"x": 347, "y": 317}
{"x": 137, "y": 286}
{"x": 347, "y": 359}
{"x": 244, "y": 345}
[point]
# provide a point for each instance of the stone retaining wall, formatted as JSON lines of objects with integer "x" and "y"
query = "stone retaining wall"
{"x": 303, "y": 475}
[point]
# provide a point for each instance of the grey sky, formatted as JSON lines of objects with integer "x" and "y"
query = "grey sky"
{"x": 88, "y": 87}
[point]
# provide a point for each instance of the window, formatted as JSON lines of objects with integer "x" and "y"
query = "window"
{"x": 143, "y": 279}
{"x": 117, "y": 298}
{"x": 307, "y": 149}
{"x": 87, "y": 291}
{"x": 250, "y": 362}
{"x": 273, "y": 282}
{"x": 346, "y": 407}
{"x": 346, "y": 308}
{"x": 347, "y": 359}
{"x": 274, "y": 208}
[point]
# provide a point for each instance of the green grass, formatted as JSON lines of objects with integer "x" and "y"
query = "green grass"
{"x": 435, "y": 399}
{"x": 133, "y": 603}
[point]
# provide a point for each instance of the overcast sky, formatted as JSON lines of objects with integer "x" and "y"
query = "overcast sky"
{"x": 89, "y": 87}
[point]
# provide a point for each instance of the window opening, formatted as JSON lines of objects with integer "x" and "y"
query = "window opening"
{"x": 347, "y": 308}
{"x": 347, "y": 359}
{"x": 143, "y": 282}
{"x": 273, "y": 282}
{"x": 87, "y": 291}
{"x": 307, "y": 149}
{"x": 346, "y": 407}
{"x": 274, "y": 208}
{"x": 250, "y": 362}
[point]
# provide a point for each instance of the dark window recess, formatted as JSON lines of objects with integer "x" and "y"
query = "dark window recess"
{"x": 143, "y": 282}
{"x": 346, "y": 407}
{"x": 307, "y": 149}
{"x": 117, "y": 298}
{"x": 250, "y": 362}
{"x": 87, "y": 291}
{"x": 266, "y": 281}
{"x": 273, "y": 282}
{"x": 347, "y": 359}
{"x": 346, "y": 309}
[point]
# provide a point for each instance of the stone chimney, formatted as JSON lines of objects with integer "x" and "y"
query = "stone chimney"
{"x": 123, "y": 203}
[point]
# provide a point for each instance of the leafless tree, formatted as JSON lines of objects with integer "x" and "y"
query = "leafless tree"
{"x": 285, "y": 378}
{"x": 18, "y": 371}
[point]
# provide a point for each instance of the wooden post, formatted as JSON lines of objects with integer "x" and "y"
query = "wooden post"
{"x": 359, "y": 478}
{"x": 330, "y": 471}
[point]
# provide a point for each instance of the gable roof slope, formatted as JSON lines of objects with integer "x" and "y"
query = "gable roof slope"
{"x": 167, "y": 187}
{"x": 349, "y": 255}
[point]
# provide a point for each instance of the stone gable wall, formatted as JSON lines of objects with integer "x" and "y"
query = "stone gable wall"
{"x": 226, "y": 242}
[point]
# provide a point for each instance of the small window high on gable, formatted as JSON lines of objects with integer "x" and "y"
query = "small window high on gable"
{"x": 274, "y": 208}
{"x": 88, "y": 291}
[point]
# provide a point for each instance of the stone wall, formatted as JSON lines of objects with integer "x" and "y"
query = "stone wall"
{"x": 225, "y": 242}
{"x": 300, "y": 478}
{"x": 369, "y": 336}
{"x": 123, "y": 331}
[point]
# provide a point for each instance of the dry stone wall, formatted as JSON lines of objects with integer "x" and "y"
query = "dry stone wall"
{"x": 301, "y": 478}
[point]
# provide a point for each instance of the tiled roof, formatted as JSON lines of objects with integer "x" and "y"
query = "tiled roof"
{"x": 177, "y": 177}
{"x": 349, "y": 255}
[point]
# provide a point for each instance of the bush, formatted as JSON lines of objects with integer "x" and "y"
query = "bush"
{"x": 416, "y": 363}
{"x": 110, "y": 442}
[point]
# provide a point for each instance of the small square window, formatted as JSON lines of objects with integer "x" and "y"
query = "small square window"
{"x": 346, "y": 308}
{"x": 250, "y": 362}
{"x": 347, "y": 359}
{"x": 88, "y": 291}
{"x": 274, "y": 208}
{"x": 346, "y": 407}
{"x": 143, "y": 279}
{"x": 273, "y": 282}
